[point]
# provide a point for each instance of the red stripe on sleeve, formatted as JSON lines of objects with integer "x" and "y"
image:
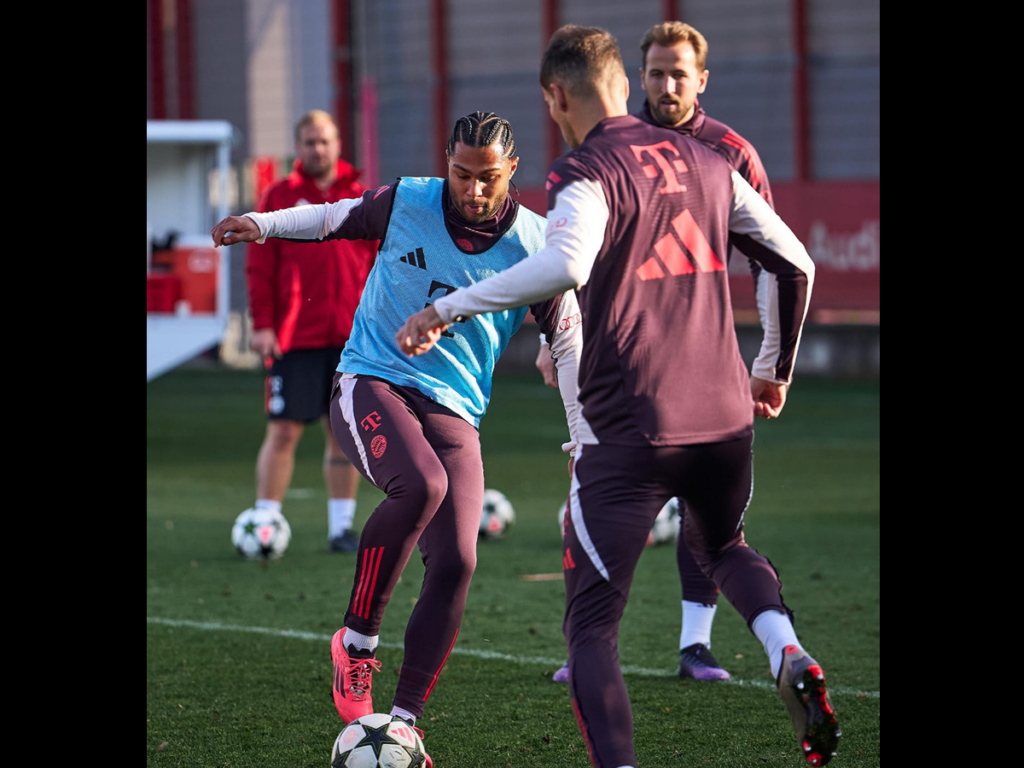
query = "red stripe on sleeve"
{"x": 755, "y": 172}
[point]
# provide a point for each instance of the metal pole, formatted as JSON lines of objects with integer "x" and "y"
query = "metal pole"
{"x": 156, "y": 59}
{"x": 801, "y": 92}
{"x": 552, "y": 136}
{"x": 185, "y": 60}
{"x": 440, "y": 72}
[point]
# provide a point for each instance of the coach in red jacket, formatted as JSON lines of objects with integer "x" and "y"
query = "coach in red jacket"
{"x": 302, "y": 297}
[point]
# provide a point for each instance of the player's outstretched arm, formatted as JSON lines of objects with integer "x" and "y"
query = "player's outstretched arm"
{"x": 769, "y": 397}
{"x": 234, "y": 229}
{"x": 420, "y": 332}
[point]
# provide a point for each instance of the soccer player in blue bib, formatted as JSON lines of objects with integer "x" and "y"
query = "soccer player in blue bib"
{"x": 411, "y": 424}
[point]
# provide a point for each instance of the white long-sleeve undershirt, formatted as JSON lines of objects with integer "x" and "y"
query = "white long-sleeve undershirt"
{"x": 566, "y": 346}
{"x": 752, "y": 216}
{"x": 305, "y": 222}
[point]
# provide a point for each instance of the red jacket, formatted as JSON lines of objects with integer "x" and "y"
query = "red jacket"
{"x": 308, "y": 292}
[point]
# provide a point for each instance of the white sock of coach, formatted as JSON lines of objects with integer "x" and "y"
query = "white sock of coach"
{"x": 340, "y": 514}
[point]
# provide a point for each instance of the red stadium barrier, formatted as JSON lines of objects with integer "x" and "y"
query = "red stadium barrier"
{"x": 839, "y": 223}
{"x": 162, "y": 292}
{"x": 195, "y": 270}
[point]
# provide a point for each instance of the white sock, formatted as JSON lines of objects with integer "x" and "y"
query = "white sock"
{"x": 359, "y": 641}
{"x": 268, "y": 504}
{"x": 404, "y": 714}
{"x": 775, "y": 631}
{"x": 697, "y": 620}
{"x": 340, "y": 514}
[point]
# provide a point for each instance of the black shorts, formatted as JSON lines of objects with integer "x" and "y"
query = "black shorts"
{"x": 298, "y": 387}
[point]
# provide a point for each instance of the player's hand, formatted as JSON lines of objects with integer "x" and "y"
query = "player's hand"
{"x": 769, "y": 397}
{"x": 546, "y": 365}
{"x": 264, "y": 343}
{"x": 242, "y": 229}
{"x": 420, "y": 332}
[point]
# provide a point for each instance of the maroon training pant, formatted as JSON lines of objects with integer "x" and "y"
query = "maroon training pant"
{"x": 617, "y": 492}
{"x": 427, "y": 460}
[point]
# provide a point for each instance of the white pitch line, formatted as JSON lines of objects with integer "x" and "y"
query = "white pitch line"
{"x": 479, "y": 654}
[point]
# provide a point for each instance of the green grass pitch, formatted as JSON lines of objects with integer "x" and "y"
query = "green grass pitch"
{"x": 237, "y": 656}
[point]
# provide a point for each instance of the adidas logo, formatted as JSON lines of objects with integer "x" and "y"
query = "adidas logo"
{"x": 567, "y": 562}
{"x": 415, "y": 258}
{"x": 673, "y": 258}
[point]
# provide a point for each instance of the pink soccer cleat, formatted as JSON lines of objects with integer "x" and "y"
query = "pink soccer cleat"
{"x": 353, "y": 679}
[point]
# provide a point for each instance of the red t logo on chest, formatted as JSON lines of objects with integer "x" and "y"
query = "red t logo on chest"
{"x": 663, "y": 165}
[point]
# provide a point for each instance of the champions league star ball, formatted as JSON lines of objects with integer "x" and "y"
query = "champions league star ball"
{"x": 378, "y": 741}
{"x": 664, "y": 530}
{"x": 261, "y": 534}
{"x": 498, "y": 515}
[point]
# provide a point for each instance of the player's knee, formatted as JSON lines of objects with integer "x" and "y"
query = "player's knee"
{"x": 424, "y": 490}
{"x": 283, "y": 435}
{"x": 453, "y": 570}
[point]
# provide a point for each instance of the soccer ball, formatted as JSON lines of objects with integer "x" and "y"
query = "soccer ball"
{"x": 378, "y": 741}
{"x": 664, "y": 530}
{"x": 666, "y": 524}
{"x": 498, "y": 515}
{"x": 261, "y": 534}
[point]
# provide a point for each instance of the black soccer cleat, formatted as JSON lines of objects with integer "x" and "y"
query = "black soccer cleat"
{"x": 802, "y": 686}
{"x": 696, "y": 662}
{"x": 346, "y": 542}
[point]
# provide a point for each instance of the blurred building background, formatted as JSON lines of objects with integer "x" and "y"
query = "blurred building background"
{"x": 800, "y": 79}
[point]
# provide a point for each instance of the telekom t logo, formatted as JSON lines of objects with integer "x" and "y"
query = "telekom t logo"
{"x": 665, "y": 166}
{"x": 371, "y": 422}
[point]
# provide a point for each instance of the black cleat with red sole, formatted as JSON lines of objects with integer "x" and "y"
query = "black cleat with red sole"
{"x": 802, "y": 686}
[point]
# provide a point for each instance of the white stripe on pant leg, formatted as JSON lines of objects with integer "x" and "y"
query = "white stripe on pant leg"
{"x": 348, "y": 384}
{"x": 577, "y": 520}
{"x": 746, "y": 506}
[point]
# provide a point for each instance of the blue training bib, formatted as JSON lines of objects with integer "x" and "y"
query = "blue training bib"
{"x": 418, "y": 264}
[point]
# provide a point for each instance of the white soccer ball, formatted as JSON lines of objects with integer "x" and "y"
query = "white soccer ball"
{"x": 261, "y": 534}
{"x": 666, "y": 524}
{"x": 498, "y": 516}
{"x": 664, "y": 530}
{"x": 378, "y": 741}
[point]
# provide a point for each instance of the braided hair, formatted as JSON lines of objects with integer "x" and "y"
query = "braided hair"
{"x": 481, "y": 129}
